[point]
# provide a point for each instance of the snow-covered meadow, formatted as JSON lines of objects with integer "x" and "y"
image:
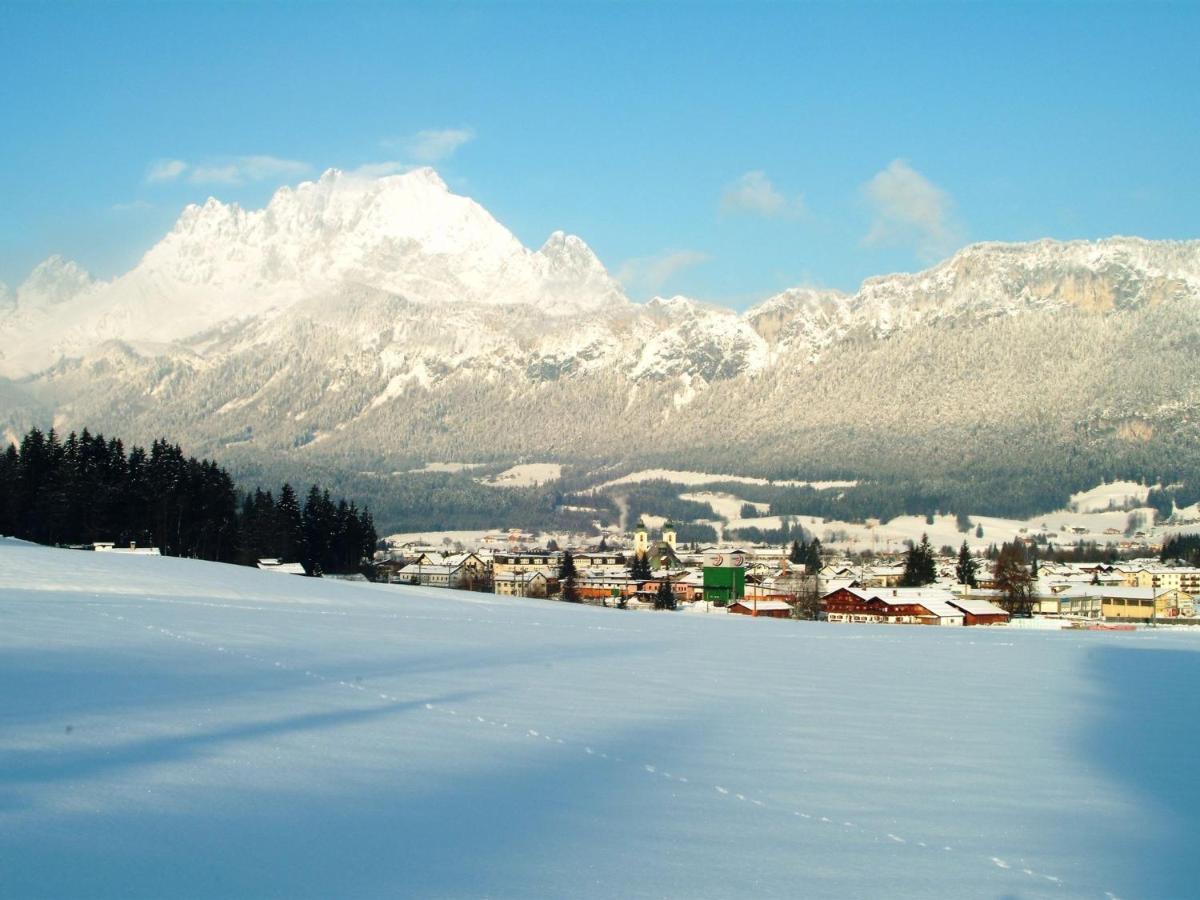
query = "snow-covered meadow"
{"x": 171, "y": 728}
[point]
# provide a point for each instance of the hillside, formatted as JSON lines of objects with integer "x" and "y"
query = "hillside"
{"x": 187, "y": 729}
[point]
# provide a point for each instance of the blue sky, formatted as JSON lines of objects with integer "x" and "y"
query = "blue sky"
{"x": 722, "y": 151}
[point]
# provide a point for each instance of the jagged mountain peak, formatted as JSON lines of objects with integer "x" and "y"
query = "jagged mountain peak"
{"x": 333, "y": 220}
{"x": 53, "y": 281}
{"x": 793, "y": 299}
{"x": 681, "y": 305}
{"x": 568, "y": 252}
{"x": 563, "y": 245}
{"x": 574, "y": 280}
{"x": 405, "y": 234}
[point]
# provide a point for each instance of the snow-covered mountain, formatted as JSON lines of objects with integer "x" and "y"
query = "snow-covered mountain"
{"x": 350, "y": 314}
{"x": 406, "y": 235}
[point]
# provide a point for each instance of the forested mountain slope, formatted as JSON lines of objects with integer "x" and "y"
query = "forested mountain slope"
{"x": 372, "y": 325}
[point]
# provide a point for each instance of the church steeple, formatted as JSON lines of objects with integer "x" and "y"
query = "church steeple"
{"x": 641, "y": 539}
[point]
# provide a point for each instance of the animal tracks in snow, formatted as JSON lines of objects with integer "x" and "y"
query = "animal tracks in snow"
{"x": 648, "y": 769}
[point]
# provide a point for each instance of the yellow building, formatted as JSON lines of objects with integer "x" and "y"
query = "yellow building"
{"x": 1125, "y": 604}
{"x": 1185, "y": 579}
{"x": 522, "y": 584}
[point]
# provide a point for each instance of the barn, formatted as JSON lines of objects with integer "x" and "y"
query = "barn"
{"x": 772, "y": 609}
{"x": 977, "y": 611}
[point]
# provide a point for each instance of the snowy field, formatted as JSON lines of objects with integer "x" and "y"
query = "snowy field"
{"x": 173, "y": 728}
{"x": 697, "y": 478}
{"x": 1113, "y": 494}
{"x": 526, "y": 475}
{"x": 448, "y": 540}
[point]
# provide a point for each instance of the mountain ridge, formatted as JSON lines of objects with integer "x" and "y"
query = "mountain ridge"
{"x": 352, "y": 321}
{"x": 409, "y": 235}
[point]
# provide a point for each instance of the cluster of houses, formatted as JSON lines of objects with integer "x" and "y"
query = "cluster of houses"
{"x": 761, "y": 581}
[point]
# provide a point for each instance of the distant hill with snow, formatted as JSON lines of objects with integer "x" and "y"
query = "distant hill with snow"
{"x": 383, "y": 324}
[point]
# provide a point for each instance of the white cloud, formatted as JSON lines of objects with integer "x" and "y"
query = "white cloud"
{"x": 229, "y": 170}
{"x": 165, "y": 170}
{"x": 242, "y": 169}
{"x": 434, "y": 144}
{"x": 910, "y": 209}
{"x": 754, "y": 193}
{"x": 650, "y": 273}
{"x": 379, "y": 169}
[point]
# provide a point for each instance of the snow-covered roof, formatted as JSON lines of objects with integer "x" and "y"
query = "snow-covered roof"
{"x": 519, "y": 576}
{"x": 274, "y": 565}
{"x": 1116, "y": 592}
{"x": 940, "y": 608}
{"x": 763, "y": 605}
{"x": 910, "y": 594}
{"x": 837, "y": 584}
{"x": 977, "y": 606}
{"x": 429, "y": 569}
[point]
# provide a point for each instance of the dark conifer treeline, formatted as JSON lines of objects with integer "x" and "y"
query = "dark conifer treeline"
{"x": 87, "y": 489}
{"x": 1183, "y": 546}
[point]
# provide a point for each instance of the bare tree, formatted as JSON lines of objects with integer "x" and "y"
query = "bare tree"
{"x": 1013, "y": 580}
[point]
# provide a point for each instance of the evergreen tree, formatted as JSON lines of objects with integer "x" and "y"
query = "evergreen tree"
{"x": 813, "y": 560}
{"x": 920, "y": 567}
{"x": 967, "y": 567}
{"x": 979, "y": 530}
{"x": 639, "y": 567}
{"x": 798, "y": 553}
{"x": 366, "y": 528}
{"x": 664, "y": 597}
{"x": 10, "y": 467}
{"x": 288, "y": 528}
{"x": 85, "y": 489}
{"x": 1185, "y": 547}
{"x": 566, "y": 578}
{"x": 316, "y": 528}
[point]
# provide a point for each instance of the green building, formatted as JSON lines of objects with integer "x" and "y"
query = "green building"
{"x": 723, "y": 584}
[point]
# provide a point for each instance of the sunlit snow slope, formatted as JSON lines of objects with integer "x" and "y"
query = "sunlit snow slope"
{"x": 173, "y": 728}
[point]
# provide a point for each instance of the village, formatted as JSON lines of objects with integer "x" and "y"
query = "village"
{"x": 640, "y": 573}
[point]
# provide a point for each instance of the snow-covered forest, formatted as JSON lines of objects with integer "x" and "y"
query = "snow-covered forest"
{"x": 85, "y": 489}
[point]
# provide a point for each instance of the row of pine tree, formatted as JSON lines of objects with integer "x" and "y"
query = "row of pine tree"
{"x": 86, "y": 489}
